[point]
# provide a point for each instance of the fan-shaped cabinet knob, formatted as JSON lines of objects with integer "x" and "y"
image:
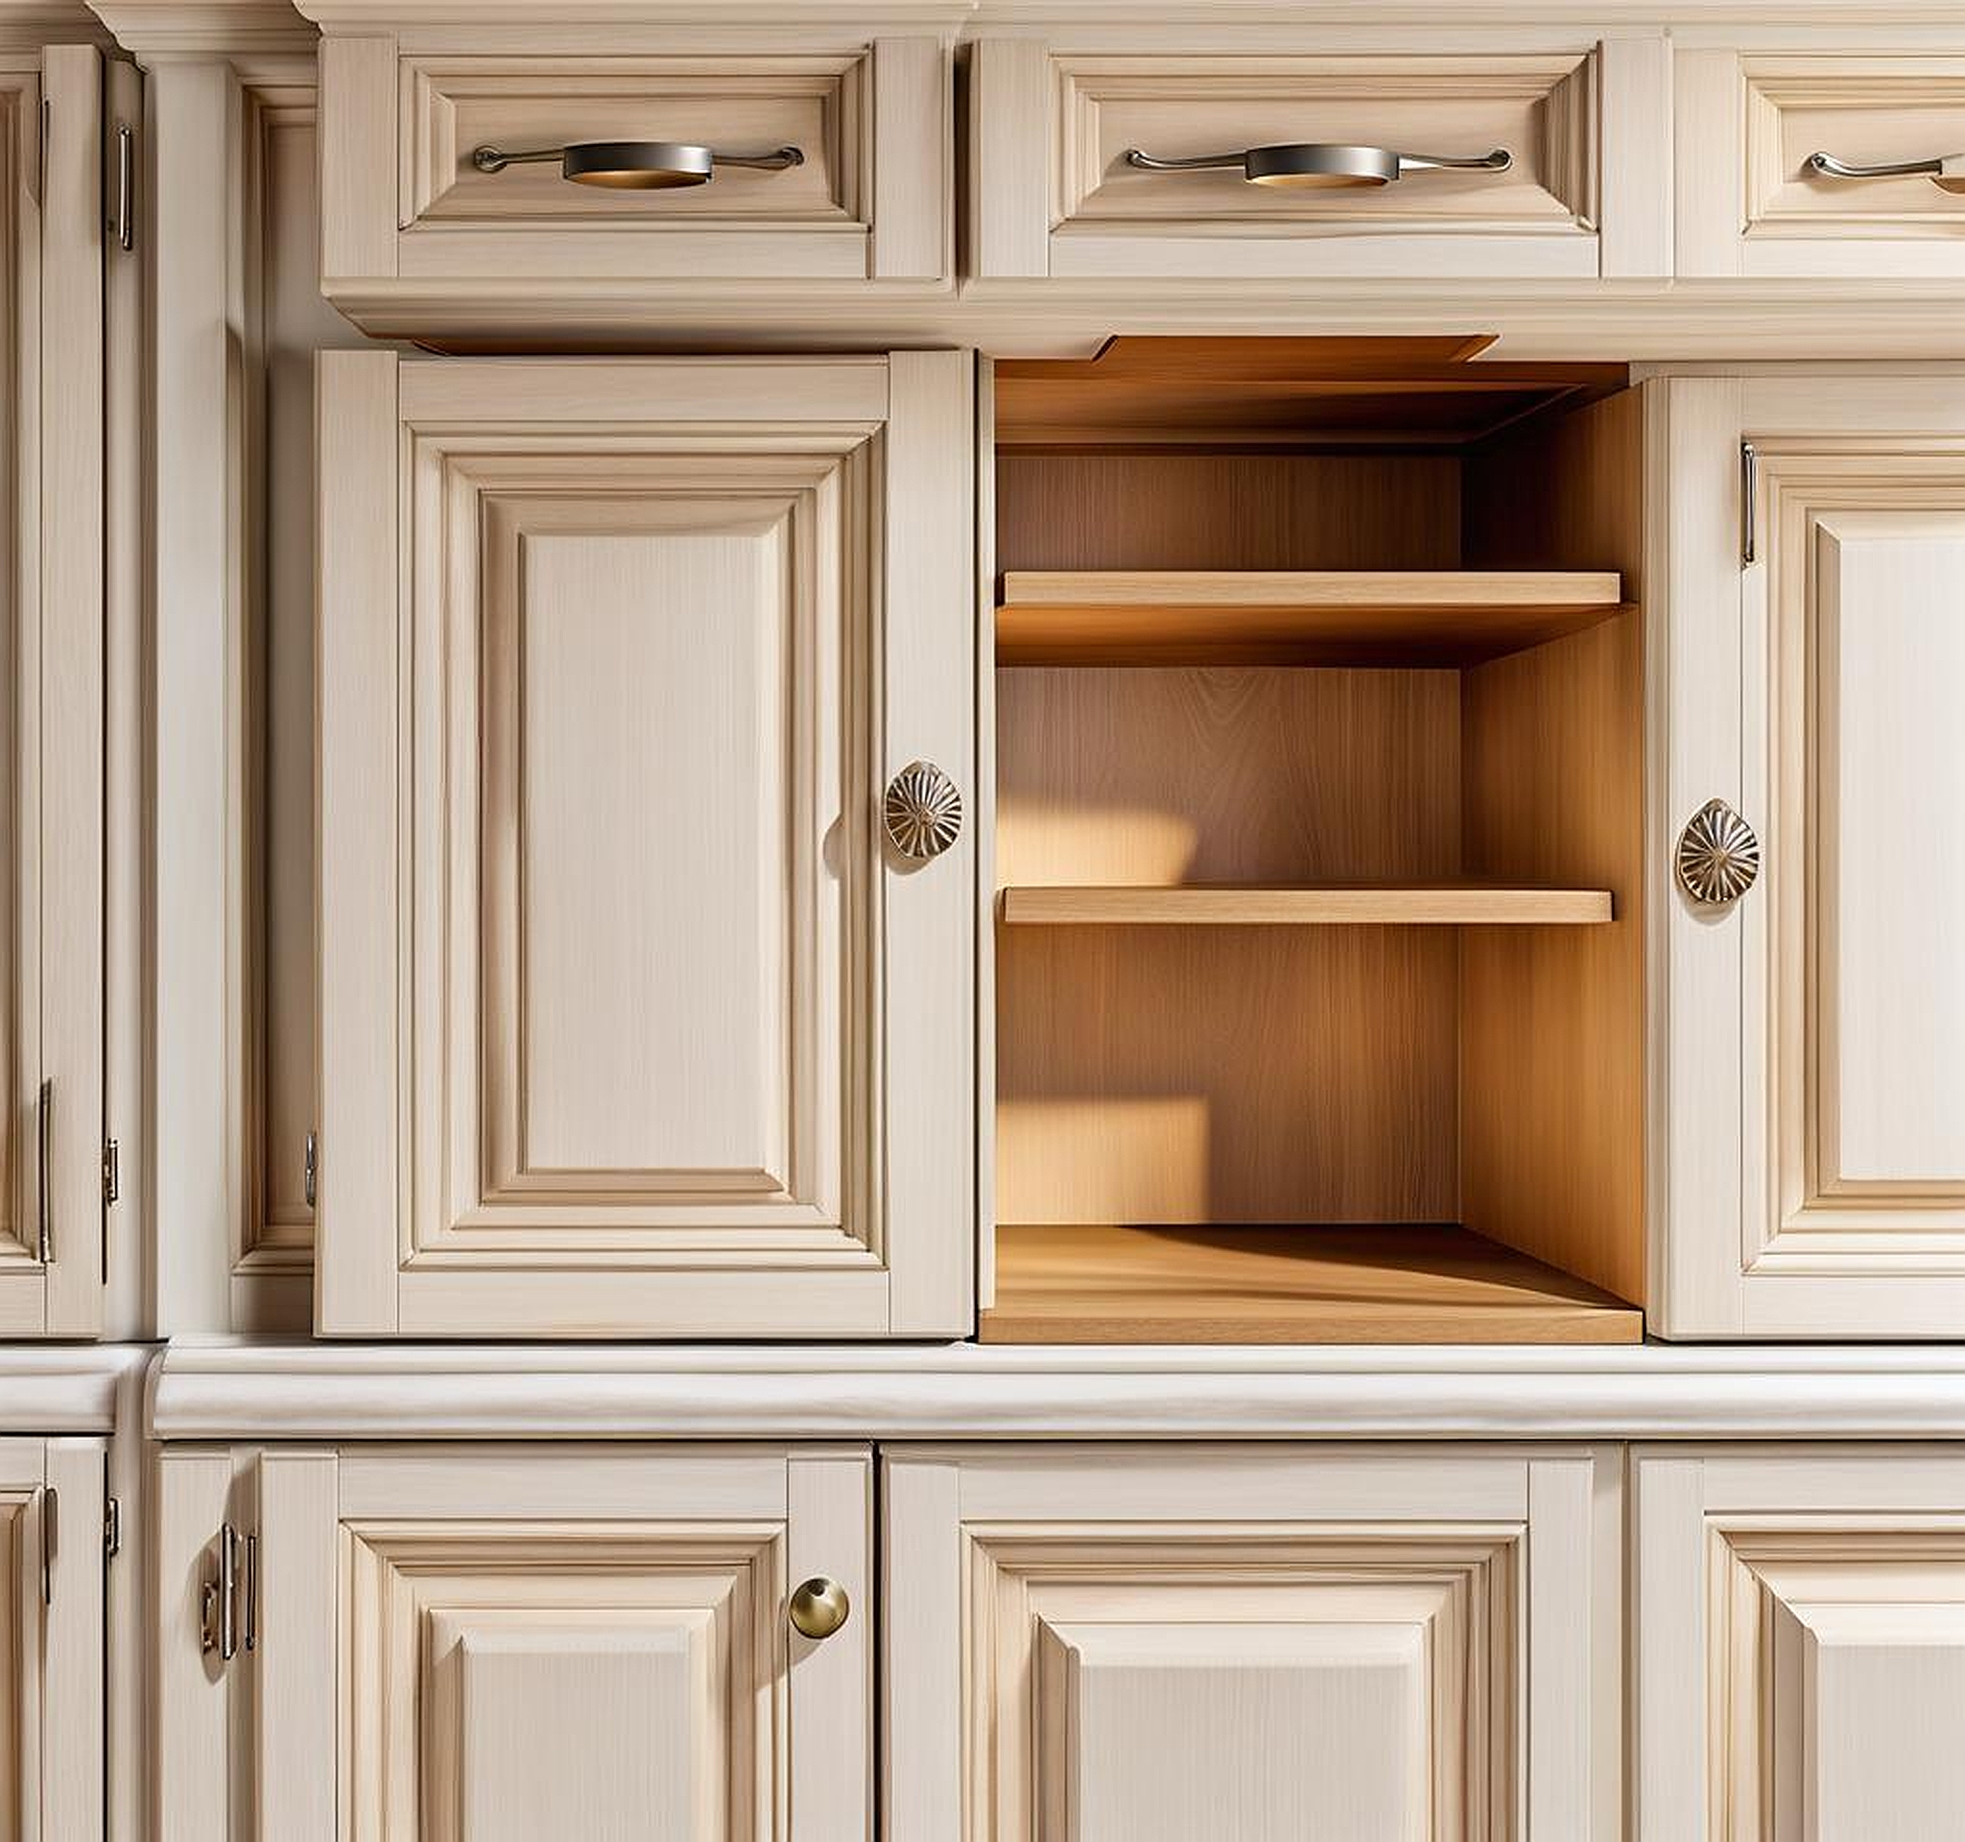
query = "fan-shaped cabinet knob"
{"x": 923, "y": 811}
{"x": 1718, "y": 857}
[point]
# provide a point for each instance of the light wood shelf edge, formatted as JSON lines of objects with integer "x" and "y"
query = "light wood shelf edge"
{"x": 1445, "y": 589}
{"x": 1353, "y": 905}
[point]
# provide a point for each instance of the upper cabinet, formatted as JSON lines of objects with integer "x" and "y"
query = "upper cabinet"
{"x": 1189, "y": 153}
{"x": 646, "y": 702}
{"x": 66, "y": 137}
{"x": 1811, "y": 1042}
{"x": 609, "y": 174}
{"x": 1824, "y": 164}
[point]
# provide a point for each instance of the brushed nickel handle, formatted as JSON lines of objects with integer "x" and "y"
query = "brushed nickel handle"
{"x": 44, "y": 1151}
{"x": 923, "y": 811}
{"x": 1322, "y": 165}
{"x": 818, "y": 1608}
{"x": 1946, "y": 171}
{"x": 1718, "y": 857}
{"x": 218, "y": 1604}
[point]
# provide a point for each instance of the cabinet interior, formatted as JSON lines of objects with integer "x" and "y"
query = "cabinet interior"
{"x": 1319, "y": 960}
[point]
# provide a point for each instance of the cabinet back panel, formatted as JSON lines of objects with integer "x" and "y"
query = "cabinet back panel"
{"x": 1227, "y": 511}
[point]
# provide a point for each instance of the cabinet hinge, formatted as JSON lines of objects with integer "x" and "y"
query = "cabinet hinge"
{"x": 1749, "y": 499}
{"x": 229, "y": 1603}
{"x": 310, "y": 1168}
{"x": 112, "y": 1171}
{"x": 50, "y": 1540}
{"x": 112, "y": 1527}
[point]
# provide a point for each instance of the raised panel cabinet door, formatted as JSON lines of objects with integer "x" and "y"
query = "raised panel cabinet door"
{"x": 1149, "y": 1644}
{"x": 1813, "y": 1026}
{"x": 636, "y": 1020}
{"x": 497, "y": 1644}
{"x": 51, "y": 1639}
{"x": 51, "y": 695}
{"x": 1800, "y": 1630}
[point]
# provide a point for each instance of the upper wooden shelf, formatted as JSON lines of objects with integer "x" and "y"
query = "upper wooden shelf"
{"x": 1465, "y": 904}
{"x": 1292, "y": 617}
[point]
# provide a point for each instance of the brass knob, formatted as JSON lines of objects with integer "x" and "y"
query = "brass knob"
{"x": 819, "y": 1607}
{"x": 923, "y": 811}
{"x": 1718, "y": 855}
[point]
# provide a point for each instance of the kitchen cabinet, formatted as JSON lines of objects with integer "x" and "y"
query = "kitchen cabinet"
{"x": 647, "y": 913}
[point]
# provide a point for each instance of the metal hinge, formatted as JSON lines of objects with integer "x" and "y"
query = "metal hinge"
{"x": 50, "y": 1540}
{"x": 1749, "y": 498}
{"x": 112, "y": 1171}
{"x": 310, "y": 1169}
{"x": 112, "y": 1527}
{"x": 229, "y": 1604}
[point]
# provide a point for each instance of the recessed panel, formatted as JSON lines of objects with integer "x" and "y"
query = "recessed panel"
{"x": 1267, "y": 1733}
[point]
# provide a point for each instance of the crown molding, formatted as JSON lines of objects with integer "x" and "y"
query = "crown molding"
{"x": 374, "y": 16}
{"x": 247, "y": 1391}
{"x": 29, "y": 25}
{"x": 208, "y": 28}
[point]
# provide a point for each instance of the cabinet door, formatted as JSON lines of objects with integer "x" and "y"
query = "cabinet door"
{"x": 1814, "y": 1027}
{"x": 498, "y": 1644}
{"x": 636, "y": 1021}
{"x": 1800, "y": 1626}
{"x": 51, "y": 697}
{"x": 1150, "y": 1645}
{"x": 51, "y": 1639}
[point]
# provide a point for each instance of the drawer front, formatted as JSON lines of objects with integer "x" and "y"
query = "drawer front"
{"x": 1801, "y": 1644}
{"x": 1158, "y": 1644}
{"x": 866, "y": 199}
{"x": 1752, "y": 203}
{"x": 1059, "y": 194}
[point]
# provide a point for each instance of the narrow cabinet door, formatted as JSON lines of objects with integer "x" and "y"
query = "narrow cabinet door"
{"x": 1813, "y": 664}
{"x": 51, "y": 698}
{"x": 1157, "y": 1644}
{"x": 499, "y": 1644}
{"x": 645, "y": 1010}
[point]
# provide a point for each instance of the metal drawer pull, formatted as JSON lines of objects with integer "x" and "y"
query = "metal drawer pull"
{"x": 818, "y": 1608}
{"x": 1324, "y": 165}
{"x": 1718, "y": 857}
{"x": 922, "y": 811}
{"x": 1947, "y": 171}
{"x": 636, "y": 166}
{"x": 44, "y": 1151}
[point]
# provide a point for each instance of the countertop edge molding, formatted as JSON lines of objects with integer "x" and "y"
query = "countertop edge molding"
{"x": 68, "y": 1389}
{"x": 250, "y": 1392}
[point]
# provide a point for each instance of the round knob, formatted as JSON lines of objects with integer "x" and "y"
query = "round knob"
{"x": 819, "y": 1607}
{"x": 923, "y": 811}
{"x": 1718, "y": 855}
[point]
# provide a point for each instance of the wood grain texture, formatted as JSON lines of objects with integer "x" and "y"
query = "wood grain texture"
{"x": 1552, "y": 1024}
{"x": 1332, "y": 904}
{"x": 1433, "y": 1283}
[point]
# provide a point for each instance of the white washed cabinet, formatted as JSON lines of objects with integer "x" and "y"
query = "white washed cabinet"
{"x": 1162, "y": 1642}
{"x": 1812, "y": 667}
{"x": 637, "y": 1016}
{"x": 1800, "y": 1628}
{"x": 500, "y": 1643}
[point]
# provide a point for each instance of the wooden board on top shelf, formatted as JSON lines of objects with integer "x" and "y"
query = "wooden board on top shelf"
{"x": 1292, "y": 617}
{"x": 1406, "y": 1283}
{"x": 1470, "y": 904}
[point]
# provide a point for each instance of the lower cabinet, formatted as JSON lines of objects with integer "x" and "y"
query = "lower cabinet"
{"x": 506, "y": 1643}
{"x": 51, "y": 1639}
{"x": 1155, "y": 1644}
{"x": 1801, "y": 1644}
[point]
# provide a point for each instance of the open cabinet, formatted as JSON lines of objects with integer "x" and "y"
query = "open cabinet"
{"x": 1319, "y": 833}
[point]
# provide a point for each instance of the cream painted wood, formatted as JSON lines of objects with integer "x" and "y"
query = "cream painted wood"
{"x": 499, "y": 1641}
{"x": 1814, "y": 1178}
{"x": 51, "y": 1639}
{"x": 681, "y": 1050}
{"x": 1053, "y": 195}
{"x": 1106, "y": 1642}
{"x": 52, "y": 784}
{"x": 1801, "y": 1643}
{"x": 1747, "y": 121}
{"x": 406, "y": 213}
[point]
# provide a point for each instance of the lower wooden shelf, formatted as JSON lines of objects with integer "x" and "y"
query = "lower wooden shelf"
{"x": 1395, "y": 1283}
{"x": 1470, "y": 904}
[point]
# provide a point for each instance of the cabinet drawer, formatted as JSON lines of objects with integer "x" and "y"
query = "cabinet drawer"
{"x": 409, "y": 207}
{"x": 1252, "y": 1642}
{"x": 1061, "y": 190}
{"x": 1751, "y": 200}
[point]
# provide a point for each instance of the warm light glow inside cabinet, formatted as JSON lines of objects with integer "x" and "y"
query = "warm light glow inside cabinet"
{"x": 1319, "y": 847}
{"x": 636, "y": 1020}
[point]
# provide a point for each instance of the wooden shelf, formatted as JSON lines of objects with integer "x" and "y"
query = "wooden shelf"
{"x": 1325, "y": 905}
{"x": 1292, "y": 617}
{"x": 1380, "y": 1284}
